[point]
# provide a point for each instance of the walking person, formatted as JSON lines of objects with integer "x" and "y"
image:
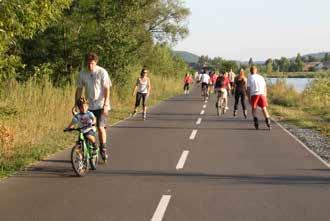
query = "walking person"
{"x": 97, "y": 83}
{"x": 257, "y": 94}
{"x": 142, "y": 91}
{"x": 187, "y": 81}
{"x": 240, "y": 88}
{"x": 231, "y": 76}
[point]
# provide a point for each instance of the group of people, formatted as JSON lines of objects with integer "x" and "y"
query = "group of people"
{"x": 95, "y": 105}
{"x": 94, "y": 108}
{"x": 241, "y": 87}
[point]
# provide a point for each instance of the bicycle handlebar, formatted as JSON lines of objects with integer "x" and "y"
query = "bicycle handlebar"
{"x": 77, "y": 129}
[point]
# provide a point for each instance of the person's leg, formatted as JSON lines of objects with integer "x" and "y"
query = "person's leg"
{"x": 101, "y": 123}
{"x": 225, "y": 94}
{"x": 237, "y": 95}
{"x": 144, "y": 100}
{"x": 243, "y": 104}
{"x": 254, "y": 101}
{"x": 137, "y": 103}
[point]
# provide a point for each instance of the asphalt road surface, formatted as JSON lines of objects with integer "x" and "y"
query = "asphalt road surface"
{"x": 183, "y": 163}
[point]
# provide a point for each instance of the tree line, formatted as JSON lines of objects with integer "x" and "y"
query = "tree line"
{"x": 271, "y": 65}
{"x": 41, "y": 38}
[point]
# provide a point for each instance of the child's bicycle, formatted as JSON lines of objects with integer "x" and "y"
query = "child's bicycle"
{"x": 82, "y": 156}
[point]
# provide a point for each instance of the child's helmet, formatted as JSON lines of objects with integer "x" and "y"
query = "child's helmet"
{"x": 81, "y": 101}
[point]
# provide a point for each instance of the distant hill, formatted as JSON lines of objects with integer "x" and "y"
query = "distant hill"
{"x": 187, "y": 56}
{"x": 319, "y": 55}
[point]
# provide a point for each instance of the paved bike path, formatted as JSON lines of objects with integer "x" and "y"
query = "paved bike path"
{"x": 227, "y": 175}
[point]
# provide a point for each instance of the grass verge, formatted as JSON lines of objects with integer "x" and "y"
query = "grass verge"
{"x": 33, "y": 116}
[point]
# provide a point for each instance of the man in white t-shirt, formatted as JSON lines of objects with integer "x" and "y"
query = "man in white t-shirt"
{"x": 257, "y": 94}
{"x": 97, "y": 83}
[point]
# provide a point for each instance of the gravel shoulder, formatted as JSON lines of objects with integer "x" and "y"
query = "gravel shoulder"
{"x": 318, "y": 143}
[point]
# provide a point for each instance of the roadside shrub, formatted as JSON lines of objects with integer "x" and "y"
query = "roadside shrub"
{"x": 281, "y": 93}
{"x": 316, "y": 97}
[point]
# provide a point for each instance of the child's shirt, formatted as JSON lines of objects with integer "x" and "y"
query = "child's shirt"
{"x": 84, "y": 120}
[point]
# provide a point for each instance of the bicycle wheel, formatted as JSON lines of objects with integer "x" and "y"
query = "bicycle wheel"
{"x": 218, "y": 107}
{"x": 78, "y": 161}
{"x": 223, "y": 106}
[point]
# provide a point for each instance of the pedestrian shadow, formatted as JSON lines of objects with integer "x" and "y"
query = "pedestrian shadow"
{"x": 188, "y": 128}
{"x": 181, "y": 177}
{"x": 231, "y": 178}
{"x": 57, "y": 161}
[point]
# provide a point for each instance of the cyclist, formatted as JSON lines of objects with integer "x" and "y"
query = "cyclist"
{"x": 97, "y": 85}
{"x": 221, "y": 85}
{"x": 205, "y": 80}
{"x": 85, "y": 119}
{"x": 257, "y": 94}
{"x": 240, "y": 92}
{"x": 142, "y": 91}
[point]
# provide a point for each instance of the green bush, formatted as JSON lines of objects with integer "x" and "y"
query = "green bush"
{"x": 281, "y": 93}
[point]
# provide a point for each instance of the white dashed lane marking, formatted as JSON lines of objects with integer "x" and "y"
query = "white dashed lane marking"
{"x": 161, "y": 208}
{"x": 193, "y": 135}
{"x": 182, "y": 160}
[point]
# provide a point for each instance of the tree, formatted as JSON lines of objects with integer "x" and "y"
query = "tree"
{"x": 22, "y": 19}
{"x": 299, "y": 64}
{"x": 326, "y": 57}
{"x": 251, "y": 62}
{"x": 269, "y": 66}
{"x": 121, "y": 32}
{"x": 284, "y": 64}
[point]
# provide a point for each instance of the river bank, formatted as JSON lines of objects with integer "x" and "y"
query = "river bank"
{"x": 298, "y": 74}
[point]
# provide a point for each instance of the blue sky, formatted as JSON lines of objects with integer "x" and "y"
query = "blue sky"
{"x": 261, "y": 29}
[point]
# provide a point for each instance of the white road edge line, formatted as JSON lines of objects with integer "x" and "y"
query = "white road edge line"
{"x": 204, "y": 106}
{"x": 202, "y": 112}
{"x": 161, "y": 208}
{"x": 199, "y": 121}
{"x": 299, "y": 141}
{"x": 182, "y": 160}
{"x": 193, "y": 135}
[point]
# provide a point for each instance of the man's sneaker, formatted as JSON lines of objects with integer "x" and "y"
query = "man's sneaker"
{"x": 104, "y": 155}
{"x": 133, "y": 114}
{"x": 268, "y": 123}
{"x": 256, "y": 123}
{"x": 245, "y": 113}
{"x": 235, "y": 113}
{"x": 144, "y": 116}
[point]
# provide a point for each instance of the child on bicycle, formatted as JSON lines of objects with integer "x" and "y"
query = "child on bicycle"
{"x": 85, "y": 120}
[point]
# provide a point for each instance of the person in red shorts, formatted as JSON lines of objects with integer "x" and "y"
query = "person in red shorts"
{"x": 257, "y": 94}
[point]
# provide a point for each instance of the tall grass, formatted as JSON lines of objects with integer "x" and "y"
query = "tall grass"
{"x": 33, "y": 115}
{"x": 310, "y": 109}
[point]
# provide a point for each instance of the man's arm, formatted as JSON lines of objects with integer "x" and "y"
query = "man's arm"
{"x": 149, "y": 86}
{"x": 106, "y": 91}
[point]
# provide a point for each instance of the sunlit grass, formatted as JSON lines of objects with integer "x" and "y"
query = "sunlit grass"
{"x": 309, "y": 109}
{"x": 33, "y": 116}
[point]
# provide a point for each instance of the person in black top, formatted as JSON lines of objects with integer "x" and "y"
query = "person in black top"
{"x": 240, "y": 83}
